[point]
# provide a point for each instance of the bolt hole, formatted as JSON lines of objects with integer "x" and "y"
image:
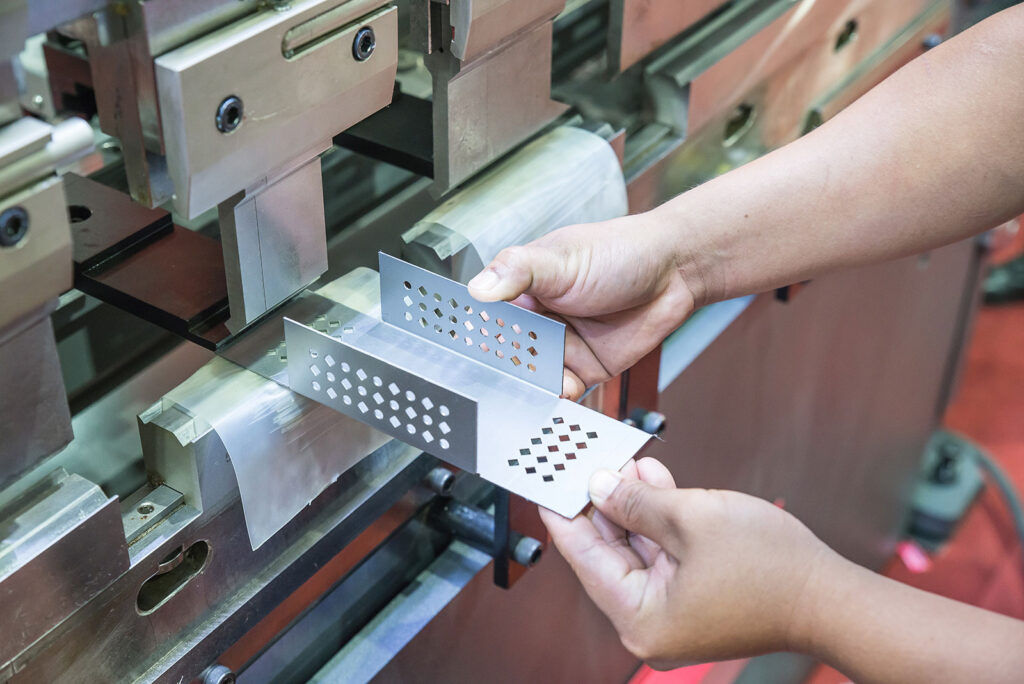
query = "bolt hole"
{"x": 146, "y": 509}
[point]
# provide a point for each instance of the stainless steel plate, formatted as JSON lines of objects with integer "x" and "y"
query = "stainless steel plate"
{"x": 516, "y": 341}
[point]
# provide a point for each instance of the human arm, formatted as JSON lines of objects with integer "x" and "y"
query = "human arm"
{"x": 710, "y": 575}
{"x": 933, "y": 154}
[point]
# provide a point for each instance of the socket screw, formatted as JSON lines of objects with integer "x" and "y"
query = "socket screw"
{"x": 229, "y": 114}
{"x": 364, "y": 44}
{"x": 13, "y": 226}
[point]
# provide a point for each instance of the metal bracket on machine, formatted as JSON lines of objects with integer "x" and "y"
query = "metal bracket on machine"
{"x": 475, "y": 384}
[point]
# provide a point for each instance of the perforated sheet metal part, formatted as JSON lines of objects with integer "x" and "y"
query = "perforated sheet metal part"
{"x": 390, "y": 399}
{"x": 511, "y": 415}
{"x": 516, "y": 341}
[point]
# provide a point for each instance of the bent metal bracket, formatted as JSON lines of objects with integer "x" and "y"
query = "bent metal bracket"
{"x": 474, "y": 384}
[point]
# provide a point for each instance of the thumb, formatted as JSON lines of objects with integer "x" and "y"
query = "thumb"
{"x": 636, "y": 506}
{"x": 528, "y": 269}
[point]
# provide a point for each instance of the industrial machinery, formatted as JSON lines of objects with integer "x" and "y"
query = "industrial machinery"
{"x": 178, "y": 177}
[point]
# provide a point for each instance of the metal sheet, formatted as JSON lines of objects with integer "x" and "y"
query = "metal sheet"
{"x": 369, "y": 389}
{"x": 527, "y": 439}
{"x": 511, "y": 339}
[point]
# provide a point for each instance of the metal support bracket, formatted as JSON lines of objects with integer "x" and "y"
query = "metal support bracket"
{"x": 439, "y": 372}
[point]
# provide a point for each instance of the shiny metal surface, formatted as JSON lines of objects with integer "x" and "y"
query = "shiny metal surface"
{"x": 639, "y": 27}
{"x": 274, "y": 242}
{"x": 506, "y": 337}
{"x": 64, "y": 523}
{"x": 319, "y": 92}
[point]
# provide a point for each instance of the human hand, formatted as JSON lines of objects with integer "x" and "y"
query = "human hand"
{"x": 692, "y": 575}
{"x": 615, "y": 284}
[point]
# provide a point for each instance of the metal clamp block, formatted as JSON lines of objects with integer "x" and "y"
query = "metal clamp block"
{"x": 440, "y": 372}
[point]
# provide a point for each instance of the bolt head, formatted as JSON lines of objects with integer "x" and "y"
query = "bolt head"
{"x": 229, "y": 114}
{"x": 13, "y": 226}
{"x": 364, "y": 44}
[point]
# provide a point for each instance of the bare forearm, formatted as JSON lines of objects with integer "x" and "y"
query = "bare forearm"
{"x": 874, "y": 629}
{"x": 932, "y": 155}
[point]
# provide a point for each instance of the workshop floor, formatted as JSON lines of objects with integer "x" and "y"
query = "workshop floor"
{"x": 982, "y": 563}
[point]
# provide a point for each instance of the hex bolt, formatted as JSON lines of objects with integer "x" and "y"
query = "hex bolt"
{"x": 364, "y": 44}
{"x": 217, "y": 674}
{"x": 229, "y": 114}
{"x": 13, "y": 226}
{"x": 441, "y": 480}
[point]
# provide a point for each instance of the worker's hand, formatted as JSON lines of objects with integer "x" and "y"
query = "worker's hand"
{"x": 693, "y": 575}
{"x": 615, "y": 284}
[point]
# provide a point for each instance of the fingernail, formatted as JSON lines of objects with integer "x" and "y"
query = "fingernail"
{"x": 602, "y": 484}
{"x": 484, "y": 280}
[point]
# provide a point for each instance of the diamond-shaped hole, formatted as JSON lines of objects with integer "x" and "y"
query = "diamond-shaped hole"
{"x": 423, "y": 306}
{"x": 423, "y": 322}
{"x": 393, "y": 388}
{"x": 552, "y": 448}
{"x": 591, "y": 435}
{"x": 345, "y": 368}
{"x": 570, "y": 456}
{"x": 559, "y": 466}
{"x": 453, "y": 319}
{"x": 408, "y": 285}
{"x": 500, "y": 322}
{"x": 533, "y": 369}
{"x": 524, "y": 452}
{"x": 547, "y": 431}
{"x": 378, "y": 414}
{"x": 542, "y": 459}
{"x": 378, "y": 398}
{"x": 427, "y": 404}
{"x": 316, "y": 386}
{"x": 422, "y": 290}
{"x": 438, "y": 329}
{"x": 532, "y": 351}
{"x": 427, "y": 420}
{"x": 437, "y": 297}
{"x": 330, "y": 376}
{"x": 443, "y": 443}
{"x": 313, "y": 353}
{"x": 469, "y": 326}
{"x": 563, "y": 438}
{"x": 427, "y": 437}
{"x": 363, "y": 408}
{"x": 329, "y": 360}
{"x": 500, "y": 354}
{"x": 361, "y": 390}
{"x": 411, "y": 412}
{"x": 395, "y": 422}
{"x": 411, "y": 429}
{"x": 515, "y": 344}
{"x": 469, "y": 341}
{"x": 536, "y": 440}
{"x": 377, "y": 382}
{"x": 558, "y": 420}
{"x": 483, "y": 331}
{"x": 393, "y": 404}
{"x": 443, "y": 410}
{"x": 531, "y": 470}
{"x": 516, "y": 329}
{"x": 532, "y": 335}
{"x": 331, "y": 393}
{"x": 347, "y": 400}
{"x": 409, "y": 395}
{"x": 548, "y": 478}
{"x": 574, "y": 428}
{"x": 361, "y": 374}
{"x": 581, "y": 446}
{"x": 315, "y": 370}
{"x": 513, "y": 461}
{"x": 407, "y": 300}
{"x": 484, "y": 348}
{"x": 346, "y": 384}
{"x": 443, "y": 427}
